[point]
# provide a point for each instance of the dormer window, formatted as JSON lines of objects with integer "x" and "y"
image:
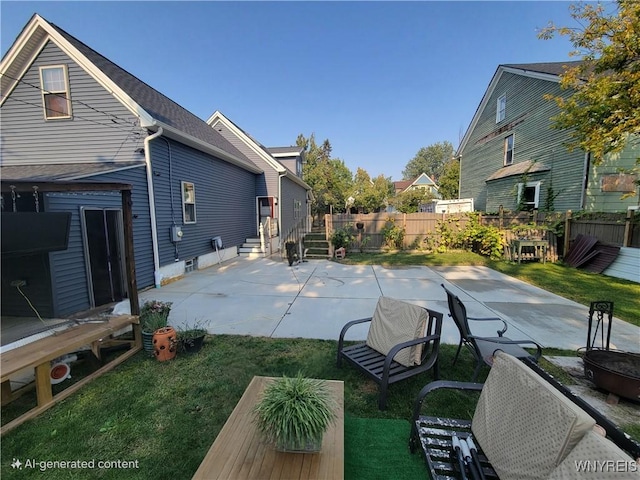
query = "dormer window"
{"x": 55, "y": 92}
{"x": 501, "y": 108}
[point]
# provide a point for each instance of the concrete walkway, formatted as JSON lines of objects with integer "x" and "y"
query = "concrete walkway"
{"x": 266, "y": 297}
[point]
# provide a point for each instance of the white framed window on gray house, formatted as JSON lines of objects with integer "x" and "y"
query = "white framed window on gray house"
{"x": 297, "y": 209}
{"x": 501, "y": 108}
{"x": 508, "y": 150}
{"x": 528, "y": 195}
{"x": 56, "y": 100}
{"x": 188, "y": 202}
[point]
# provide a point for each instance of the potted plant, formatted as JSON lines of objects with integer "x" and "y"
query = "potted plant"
{"x": 154, "y": 315}
{"x": 191, "y": 338}
{"x": 294, "y": 413}
{"x": 342, "y": 237}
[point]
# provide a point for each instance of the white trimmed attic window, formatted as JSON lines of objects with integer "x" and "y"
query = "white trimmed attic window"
{"x": 501, "y": 108}
{"x": 188, "y": 202}
{"x": 55, "y": 92}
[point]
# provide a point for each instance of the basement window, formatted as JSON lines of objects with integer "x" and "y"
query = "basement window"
{"x": 55, "y": 92}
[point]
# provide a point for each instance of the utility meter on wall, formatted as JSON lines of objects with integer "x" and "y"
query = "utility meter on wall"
{"x": 176, "y": 233}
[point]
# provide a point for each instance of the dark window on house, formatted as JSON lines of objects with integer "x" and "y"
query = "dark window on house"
{"x": 508, "y": 150}
{"x": 55, "y": 92}
{"x": 188, "y": 202}
{"x": 529, "y": 195}
{"x": 501, "y": 108}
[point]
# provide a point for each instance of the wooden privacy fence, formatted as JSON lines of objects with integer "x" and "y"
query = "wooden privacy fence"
{"x": 421, "y": 229}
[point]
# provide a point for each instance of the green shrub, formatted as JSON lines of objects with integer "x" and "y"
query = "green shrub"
{"x": 343, "y": 236}
{"x": 481, "y": 239}
{"x": 392, "y": 234}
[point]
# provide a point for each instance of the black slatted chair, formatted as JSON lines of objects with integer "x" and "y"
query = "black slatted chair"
{"x": 483, "y": 348}
{"x": 420, "y": 351}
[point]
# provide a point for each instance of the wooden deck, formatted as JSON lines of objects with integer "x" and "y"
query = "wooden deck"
{"x": 38, "y": 355}
{"x": 239, "y": 452}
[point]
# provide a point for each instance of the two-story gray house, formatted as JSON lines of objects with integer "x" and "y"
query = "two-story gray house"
{"x": 283, "y": 198}
{"x": 69, "y": 114}
{"x": 511, "y": 157}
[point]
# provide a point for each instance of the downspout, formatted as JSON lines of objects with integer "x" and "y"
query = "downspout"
{"x": 280, "y": 176}
{"x": 152, "y": 208}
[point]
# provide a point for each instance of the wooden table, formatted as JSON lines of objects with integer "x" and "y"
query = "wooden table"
{"x": 538, "y": 246}
{"x": 38, "y": 355}
{"x": 239, "y": 451}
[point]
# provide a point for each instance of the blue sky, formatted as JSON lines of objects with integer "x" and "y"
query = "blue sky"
{"x": 380, "y": 80}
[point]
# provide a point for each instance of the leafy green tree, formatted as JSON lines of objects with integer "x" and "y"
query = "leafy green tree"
{"x": 430, "y": 160}
{"x": 329, "y": 178}
{"x": 605, "y": 107}
{"x": 450, "y": 180}
{"x": 370, "y": 195}
{"x": 410, "y": 201}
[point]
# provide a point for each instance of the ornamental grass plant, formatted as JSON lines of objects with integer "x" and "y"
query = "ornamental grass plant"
{"x": 294, "y": 413}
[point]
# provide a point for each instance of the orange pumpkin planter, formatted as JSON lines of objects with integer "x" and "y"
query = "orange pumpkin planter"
{"x": 164, "y": 343}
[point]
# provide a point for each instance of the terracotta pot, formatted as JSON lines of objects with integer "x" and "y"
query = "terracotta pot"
{"x": 164, "y": 343}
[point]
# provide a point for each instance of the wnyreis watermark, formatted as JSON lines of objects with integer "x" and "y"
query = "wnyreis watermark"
{"x": 44, "y": 465}
{"x": 606, "y": 466}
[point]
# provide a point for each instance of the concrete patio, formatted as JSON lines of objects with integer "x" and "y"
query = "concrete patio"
{"x": 266, "y": 297}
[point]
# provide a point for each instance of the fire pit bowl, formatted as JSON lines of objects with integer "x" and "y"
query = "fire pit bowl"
{"x": 615, "y": 371}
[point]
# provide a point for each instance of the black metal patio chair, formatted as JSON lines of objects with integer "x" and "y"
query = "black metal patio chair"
{"x": 483, "y": 348}
{"x": 403, "y": 341}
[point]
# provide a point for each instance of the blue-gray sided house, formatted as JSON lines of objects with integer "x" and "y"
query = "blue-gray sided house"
{"x": 69, "y": 114}
{"x": 283, "y": 198}
{"x": 510, "y": 155}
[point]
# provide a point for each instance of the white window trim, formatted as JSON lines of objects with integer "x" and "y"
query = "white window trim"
{"x": 66, "y": 91}
{"x": 513, "y": 149}
{"x": 501, "y": 108}
{"x": 185, "y": 203}
{"x": 536, "y": 185}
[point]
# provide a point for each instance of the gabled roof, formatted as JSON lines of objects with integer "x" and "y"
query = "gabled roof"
{"x": 285, "y": 151}
{"x": 219, "y": 122}
{"x": 424, "y": 179}
{"x": 153, "y": 109}
{"x": 421, "y": 180}
{"x": 550, "y": 71}
{"x": 402, "y": 185}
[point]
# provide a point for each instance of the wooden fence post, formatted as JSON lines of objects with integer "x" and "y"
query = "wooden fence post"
{"x": 404, "y": 228}
{"x": 628, "y": 230}
{"x": 567, "y": 232}
{"x": 501, "y": 217}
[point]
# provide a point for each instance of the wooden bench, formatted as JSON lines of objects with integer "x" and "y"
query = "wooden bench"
{"x": 239, "y": 452}
{"x": 39, "y": 354}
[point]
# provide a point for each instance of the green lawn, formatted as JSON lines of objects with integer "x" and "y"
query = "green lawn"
{"x": 164, "y": 416}
{"x": 571, "y": 283}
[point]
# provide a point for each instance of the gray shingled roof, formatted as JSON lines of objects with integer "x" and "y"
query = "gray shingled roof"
{"x": 61, "y": 172}
{"x": 551, "y": 68}
{"x": 153, "y": 102}
{"x": 293, "y": 150}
